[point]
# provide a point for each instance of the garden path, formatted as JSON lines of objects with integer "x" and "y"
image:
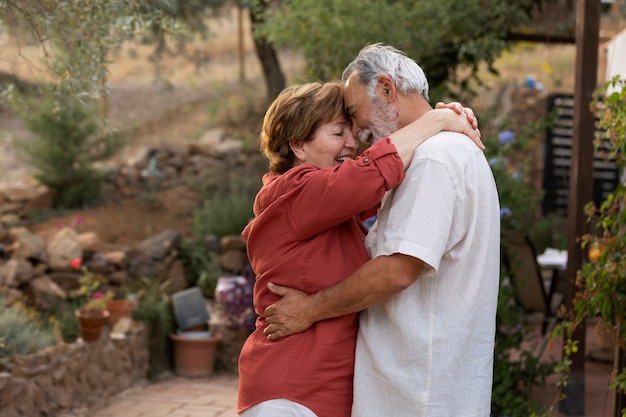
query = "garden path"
{"x": 216, "y": 395}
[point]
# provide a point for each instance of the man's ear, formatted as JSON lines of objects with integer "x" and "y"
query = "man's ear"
{"x": 297, "y": 147}
{"x": 387, "y": 88}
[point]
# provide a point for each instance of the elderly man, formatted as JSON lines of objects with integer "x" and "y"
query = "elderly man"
{"x": 429, "y": 293}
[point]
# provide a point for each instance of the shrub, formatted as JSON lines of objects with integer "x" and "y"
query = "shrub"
{"x": 228, "y": 210}
{"x": 68, "y": 140}
{"x": 202, "y": 267}
{"x": 22, "y": 331}
{"x": 516, "y": 370}
{"x": 62, "y": 315}
{"x": 153, "y": 308}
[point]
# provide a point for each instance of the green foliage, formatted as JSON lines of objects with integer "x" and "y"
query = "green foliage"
{"x": 77, "y": 36}
{"x": 154, "y": 309}
{"x": 441, "y": 36}
{"x": 68, "y": 141}
{"x": 516, "y": 370}
{"x": 226, "y": 208}
{"x": 202, "y": 267}
{"x": 602, "y": 280}
{"x": 510, "y": 159}
{"x": 62, "y": 314}
{"x": 22, "y": 331}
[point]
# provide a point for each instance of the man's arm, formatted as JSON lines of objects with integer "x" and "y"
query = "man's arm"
{"x": 376, "y": 281}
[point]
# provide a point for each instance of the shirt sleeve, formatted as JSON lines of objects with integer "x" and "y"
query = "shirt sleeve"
{"x": 323, "y": 198}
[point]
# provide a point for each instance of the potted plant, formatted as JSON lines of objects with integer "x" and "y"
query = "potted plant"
{"x": 122, "y": 305}
{"x": 93, "y": 315}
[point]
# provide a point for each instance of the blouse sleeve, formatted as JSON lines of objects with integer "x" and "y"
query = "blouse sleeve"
{"x": 323, "y": 198}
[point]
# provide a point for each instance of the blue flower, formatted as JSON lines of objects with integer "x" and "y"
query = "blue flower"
{"x": 518, "y": 176}
{"x": 505, "y": 212}
{"x": 506, "y": 136}
{"x": 493, "y": 161}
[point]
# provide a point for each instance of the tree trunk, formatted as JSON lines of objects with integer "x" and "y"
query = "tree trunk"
{"x": 274, "y": 77}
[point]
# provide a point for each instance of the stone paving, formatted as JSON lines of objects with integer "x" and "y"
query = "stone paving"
{"x": 216, "y": 395}
{"x": 173, "y": 396}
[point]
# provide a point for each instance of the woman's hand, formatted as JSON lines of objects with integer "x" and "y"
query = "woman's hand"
{"x": 471, "y": 118}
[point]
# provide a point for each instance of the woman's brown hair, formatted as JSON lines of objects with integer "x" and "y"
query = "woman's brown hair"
{"x": 295, "y": 115}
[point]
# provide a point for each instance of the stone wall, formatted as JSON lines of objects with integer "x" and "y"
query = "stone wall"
{"x": 66, "y": 377}
{"x": 145, "y": 168}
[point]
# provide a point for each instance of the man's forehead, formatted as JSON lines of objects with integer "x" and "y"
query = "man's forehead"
{"x": 351, "y": 91}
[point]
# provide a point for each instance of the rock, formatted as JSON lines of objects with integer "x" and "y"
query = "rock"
{"x": 28, "y": 245}
{"x": 158, "y": 246}
{"x": 233, "y": 242}
{"x": 45, "y": 292}
{"x": 98, "y": 264}
{"x": 66, "y": 280}
{"x": 15, "y": 272}
{"x": 62, "y": 248}
{"x": 118, "y": 258}
{"x": 177, "y": 277}
{"x": 233, "y": 261}
{"x": 209, "y": 139}
{"x": 89, "y": 241}
{"x": 142, "y": 266}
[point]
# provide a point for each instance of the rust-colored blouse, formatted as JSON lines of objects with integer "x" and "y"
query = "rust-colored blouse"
{"x": 306, "y": 235}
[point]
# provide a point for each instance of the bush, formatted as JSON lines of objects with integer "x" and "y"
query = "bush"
{"x": 202, "y": 267}
{"x": 22, "y": 331}
{"x": 68, "y": 140}
{"x": 228, "y": 210}
{"x": 516, "y": 370}
{"x": 154, "y": 309}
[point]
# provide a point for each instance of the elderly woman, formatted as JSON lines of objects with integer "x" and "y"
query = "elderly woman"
{"x": 308, "y": 234}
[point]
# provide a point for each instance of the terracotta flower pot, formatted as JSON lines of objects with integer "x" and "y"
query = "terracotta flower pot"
{"x": 90, "y": 323}
{"x": 119, "y": 309}
{"x": 194, "y": 355}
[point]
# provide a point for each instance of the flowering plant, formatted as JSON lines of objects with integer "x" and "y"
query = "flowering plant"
{"x": 91, "y": 283}
{"x": 519, "y": 198}
{"x": 514, "y": 163}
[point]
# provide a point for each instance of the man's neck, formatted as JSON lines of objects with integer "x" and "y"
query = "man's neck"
{"x": 412, "y": 107}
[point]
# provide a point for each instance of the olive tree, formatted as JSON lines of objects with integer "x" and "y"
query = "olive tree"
{"x": 77, "y": 36}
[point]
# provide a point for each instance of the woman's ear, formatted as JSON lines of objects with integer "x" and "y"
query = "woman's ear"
{"x": 298, "y": 150}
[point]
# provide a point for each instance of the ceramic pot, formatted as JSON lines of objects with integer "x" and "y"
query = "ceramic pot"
{"x": 90, "y": 323}
{"x": 119, "y": 309}
{"x": 194, "y": 353}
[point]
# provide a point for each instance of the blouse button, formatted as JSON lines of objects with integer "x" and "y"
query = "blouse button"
{"x": 366, "y": 160}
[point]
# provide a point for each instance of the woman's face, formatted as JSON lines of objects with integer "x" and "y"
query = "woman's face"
{"x": 332, "y": 144}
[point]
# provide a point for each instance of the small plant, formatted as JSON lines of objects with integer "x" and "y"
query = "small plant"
{"x": 22, "y": 330}
{"x": 62, "y": 315}
{"x": 96, "y": 299}
{"x": 154, "y": 309}
{"x": 226, "y": 209}
{"x": 202, "y": 267}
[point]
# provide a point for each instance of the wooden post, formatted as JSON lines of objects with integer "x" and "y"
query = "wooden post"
{"x": 241, "y": 47}
{"x": 581, "y": 182}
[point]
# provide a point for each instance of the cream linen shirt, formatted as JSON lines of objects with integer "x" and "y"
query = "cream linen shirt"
{"x": 429, "y": 350}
